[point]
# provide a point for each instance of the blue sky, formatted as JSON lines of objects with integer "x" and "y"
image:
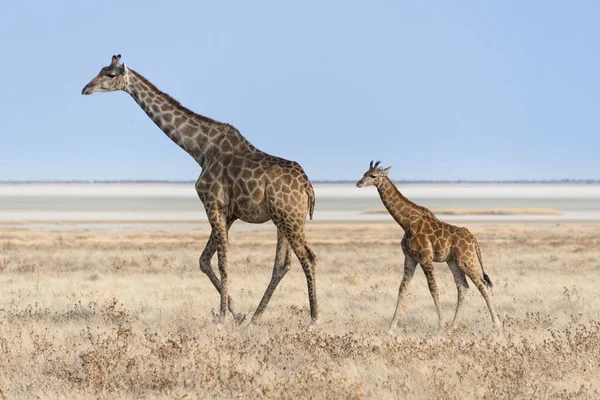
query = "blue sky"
{"x": 444, "y": 90}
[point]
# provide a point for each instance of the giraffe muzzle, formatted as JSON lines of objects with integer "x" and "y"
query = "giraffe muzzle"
{"x": 87, "y": 89}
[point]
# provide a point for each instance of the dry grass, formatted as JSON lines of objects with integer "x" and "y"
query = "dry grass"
{"x": 128, "y": 315}
{"x": 482, "y": 211}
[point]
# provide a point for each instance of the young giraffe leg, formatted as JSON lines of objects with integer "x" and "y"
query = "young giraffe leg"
{"x": 410, "y": 264}
{"x": 219, "y": 229}
{"x": 205, "y": 266}
{"x": 281, "y": 267}
{"x": 473, "y": 272}
{"x": 427, "y": 266}
{"x": 462, "y": 287}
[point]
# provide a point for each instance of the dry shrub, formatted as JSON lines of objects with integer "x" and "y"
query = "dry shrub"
{"x": 129, "y": 315}
{"x": 4, "y": 263}
{"x": 118, "y": 361}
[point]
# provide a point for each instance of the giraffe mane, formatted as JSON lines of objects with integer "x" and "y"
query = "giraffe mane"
{"x": 176, "y": 103}
{"x": 425, "y": 210}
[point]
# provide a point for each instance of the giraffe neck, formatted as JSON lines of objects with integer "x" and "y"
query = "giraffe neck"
{"x": 400, "y": 208}
{"x": 202, "y": 138}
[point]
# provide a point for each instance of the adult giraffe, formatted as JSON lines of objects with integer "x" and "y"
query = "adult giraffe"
{"x": 238, "y": 181}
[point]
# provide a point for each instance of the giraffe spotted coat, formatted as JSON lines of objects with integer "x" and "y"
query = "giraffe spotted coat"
{"x": 238, "y": 181}
{"x": 427, "y": 240}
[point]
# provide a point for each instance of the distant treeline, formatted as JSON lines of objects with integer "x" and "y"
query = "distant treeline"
{"x": 334, "y": 182}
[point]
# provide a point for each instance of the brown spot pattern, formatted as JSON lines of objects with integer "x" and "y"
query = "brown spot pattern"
{"x": 238, "y": 181}
{"x": 428, "y": 240}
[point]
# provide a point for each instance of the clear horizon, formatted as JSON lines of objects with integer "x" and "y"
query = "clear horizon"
{"x": 314, "y": 181}
{"x": 503, "y": 91}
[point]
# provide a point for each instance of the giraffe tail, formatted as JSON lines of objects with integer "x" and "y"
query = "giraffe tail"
{"x": 311, "y": 200}
{"x": 486, "y": 278}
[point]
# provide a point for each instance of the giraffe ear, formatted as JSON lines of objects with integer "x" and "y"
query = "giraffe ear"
{"x": 385, "y": 171}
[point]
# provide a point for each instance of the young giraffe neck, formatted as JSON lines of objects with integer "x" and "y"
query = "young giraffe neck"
{"x": 400, "y": 208}
{"x": 202, "y": 138}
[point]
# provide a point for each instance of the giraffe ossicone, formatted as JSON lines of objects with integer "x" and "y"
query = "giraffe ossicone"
{"x": 427, "y": 240}
{"x": 238, "y": 181}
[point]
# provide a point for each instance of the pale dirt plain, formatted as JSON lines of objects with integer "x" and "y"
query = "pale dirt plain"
{"x": 117, "y": 313}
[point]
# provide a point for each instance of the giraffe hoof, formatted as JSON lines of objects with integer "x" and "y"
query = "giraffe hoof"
{"x": 255, "y": 319}
{"x": 392, "y": 328}
{"x": 221, "y": 320}
{"x": 239, "y": 318}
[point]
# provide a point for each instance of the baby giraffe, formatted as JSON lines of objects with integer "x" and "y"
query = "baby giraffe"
{"x": 427, "y": 240}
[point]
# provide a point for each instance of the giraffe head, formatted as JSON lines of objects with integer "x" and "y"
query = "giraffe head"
{"x": 373, "y": 176}
{"x": 112, "y": 77}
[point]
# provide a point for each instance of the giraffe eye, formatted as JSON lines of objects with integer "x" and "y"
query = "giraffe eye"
{"x": 372, "y": 176}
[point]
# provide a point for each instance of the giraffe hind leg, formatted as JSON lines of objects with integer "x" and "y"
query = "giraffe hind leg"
{"x": 289, "y": 217}
{"x": 480, "y": 283}
{"x": 281, "y": 267}
{"x": 308, "y": 261}
{"x": 462, "y": 287}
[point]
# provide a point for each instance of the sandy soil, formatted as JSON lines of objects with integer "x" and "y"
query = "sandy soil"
{"x": 127, "y": 314}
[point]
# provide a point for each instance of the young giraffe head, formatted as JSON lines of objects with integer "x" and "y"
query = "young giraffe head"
{"x": 373, "y": 176}
{"x": 110, "y": 78}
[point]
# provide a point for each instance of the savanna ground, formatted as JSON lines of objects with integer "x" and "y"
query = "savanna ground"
{"x": 112, "y": 313}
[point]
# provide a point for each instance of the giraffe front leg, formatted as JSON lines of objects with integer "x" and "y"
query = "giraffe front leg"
{"x": 427, "y": 266}
{"x": 205, "y": 266}
{"x": 219, "y": 230}
{"x": 410, "y": 265}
